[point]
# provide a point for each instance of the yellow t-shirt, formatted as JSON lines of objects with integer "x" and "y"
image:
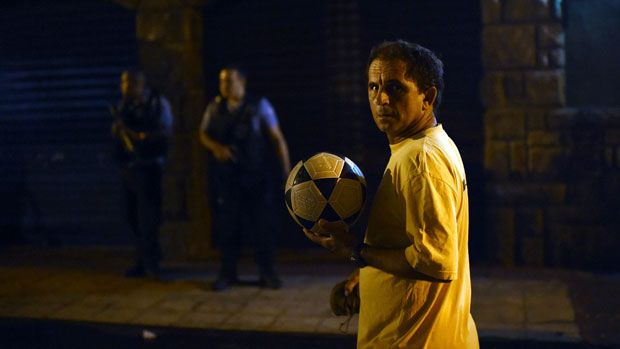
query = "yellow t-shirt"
{"x": 421, "y": 205}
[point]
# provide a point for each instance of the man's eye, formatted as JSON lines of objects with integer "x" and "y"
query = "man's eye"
{"x": 373, "y": 87}
{"x": 394, "y": 88}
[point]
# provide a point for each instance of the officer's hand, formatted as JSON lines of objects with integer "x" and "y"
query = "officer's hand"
{"x": 116, "y": 128}
{"x": 223, "y": 153}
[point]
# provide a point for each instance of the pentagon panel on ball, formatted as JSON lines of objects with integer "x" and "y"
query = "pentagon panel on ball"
{"x": 325, "y": 186}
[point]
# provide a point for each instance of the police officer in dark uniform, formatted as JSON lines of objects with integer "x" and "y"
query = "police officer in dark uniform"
{"x": 141, "y": 129}
{"x": 249, "y": 163}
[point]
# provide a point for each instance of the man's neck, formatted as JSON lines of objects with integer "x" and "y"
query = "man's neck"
{"x": 233, "y": 103}
{"x": 415, "y": 128}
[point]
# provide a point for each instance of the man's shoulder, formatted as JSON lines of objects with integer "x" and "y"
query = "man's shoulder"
{"x": 424, "y": 155}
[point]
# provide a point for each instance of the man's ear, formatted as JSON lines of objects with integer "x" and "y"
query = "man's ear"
{"x": 430, "y": 95}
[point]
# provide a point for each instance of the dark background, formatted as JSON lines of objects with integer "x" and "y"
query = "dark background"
{"x": 60, "y": 62}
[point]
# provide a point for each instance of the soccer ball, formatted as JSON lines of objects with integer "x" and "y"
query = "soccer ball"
{"x": 325, "y": 186}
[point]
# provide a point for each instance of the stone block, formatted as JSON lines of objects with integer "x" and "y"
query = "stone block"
{"x": 514, "y": 88}
{"x": 526, "y": 193}
{"x": 497, "y": 158}
{"x": 151, "y": 26}
{"x": 549, "y": 302}
{"x": 538, "y": 137}
{"x": 612, "y": 136}
{"x": 535, "y": 119}
{"x": 542, "y": 59}
{"x": 546, "y": 160}
{"x": 518, "y": 158}
{"x": 574, "y": 215}
{"x": 556, "y": 58}
{"x": 610, "y": 157}
{"x": 530, "y": 221}
{"x": 561, "y": 118}
{"x": 526, "y": 10}
{"x": 556, "y": 9}
{"x": 505, "y": 124}
{"x": 545, "y": 88}
{"x": 509, "y": 46}
{"x": 491, "y": 11}
{"x": 501, "y": 233}
{"x": 550, "y": 35}
{"x": 533, "y": 251}
{"x": 492, "y": 89}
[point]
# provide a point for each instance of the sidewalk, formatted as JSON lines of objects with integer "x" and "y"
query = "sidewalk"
{"x": 87, "y": 285}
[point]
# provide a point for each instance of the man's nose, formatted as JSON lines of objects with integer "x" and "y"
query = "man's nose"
{"x": 382, "y": 98}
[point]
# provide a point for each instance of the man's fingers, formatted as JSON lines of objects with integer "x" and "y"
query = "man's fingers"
{"x": 312, "y": 236}
{"x": 350, "y": 285}
{"x": 333, "y": 227}
{"x": 319, "y": 239}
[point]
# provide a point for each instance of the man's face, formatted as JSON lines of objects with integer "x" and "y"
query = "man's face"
{"x": 395, "y": 101}
{"x": 132, "y": 86}
{"x": 232, "y": 85}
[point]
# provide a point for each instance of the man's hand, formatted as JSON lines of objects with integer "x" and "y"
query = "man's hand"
{"x": 222, "y": 153}
{"x": 334, "y": 236}
{"x": 352, "y": 281}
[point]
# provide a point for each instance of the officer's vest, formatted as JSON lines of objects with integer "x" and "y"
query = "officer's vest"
{"x": 145, "y": 118}
{"x": 246, "y": 134}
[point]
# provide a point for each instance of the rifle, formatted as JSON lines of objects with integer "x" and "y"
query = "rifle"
{"x": 122, "y": 133}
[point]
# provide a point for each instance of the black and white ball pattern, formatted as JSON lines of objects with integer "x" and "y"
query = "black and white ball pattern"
{"x": 325, "y": 186}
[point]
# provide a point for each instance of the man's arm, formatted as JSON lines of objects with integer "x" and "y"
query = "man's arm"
{"x": 220, "y": 152}
{"x": 336, "y": 238}
{"x": 163, "y": 132}
{"x": 281, "y": 148}
{"x": 269, "y": 118}
{"x": 394, "y": 262}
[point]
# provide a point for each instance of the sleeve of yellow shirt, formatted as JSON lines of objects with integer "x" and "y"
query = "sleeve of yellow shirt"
{"x": 430, "y": 223}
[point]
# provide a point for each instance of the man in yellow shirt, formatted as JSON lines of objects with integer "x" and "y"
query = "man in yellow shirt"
{"x": 415, "y": 288}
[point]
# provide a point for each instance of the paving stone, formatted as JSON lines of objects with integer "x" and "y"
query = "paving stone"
{"x": 178, "y": 304}
{"x": 203, "y": 320}
{"x": 498, "y": 310}
{"x": 159, "y": 317}
{"x": 119, "y": 315}
{"x": 39, "y": 310}
{"x": 505, "y": 331}
{"x": 225, "y": 306}
{"x": 554, "y": 331}
{"x": 297, "y": 308}
{"x": 138, "y": 300}
{"x": 258, "y": 307}
{"x": 333, "y": 324}
{"x": 301, "y": 324}
{"x": 77, "y": 312}
{"x": 242, "y": 321}
{"x": 549, "y": 308}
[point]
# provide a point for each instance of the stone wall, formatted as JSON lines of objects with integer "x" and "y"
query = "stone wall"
{"x": 552, "y": 171}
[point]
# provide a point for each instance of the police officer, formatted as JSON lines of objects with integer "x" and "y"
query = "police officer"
{"x": 249, "y": 160}
{"x": 141, "y": 128}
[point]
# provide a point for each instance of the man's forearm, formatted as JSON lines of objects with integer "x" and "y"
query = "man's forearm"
{"x": 393, "y": 261}
{"x": 207, "y": 141}
{"x": 285, "y": 160}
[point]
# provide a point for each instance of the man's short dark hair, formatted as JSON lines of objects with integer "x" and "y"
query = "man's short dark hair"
{"x": 135, "y": 73}
{"x": 423, "y": 66}
{"x": 236, "y": 67}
